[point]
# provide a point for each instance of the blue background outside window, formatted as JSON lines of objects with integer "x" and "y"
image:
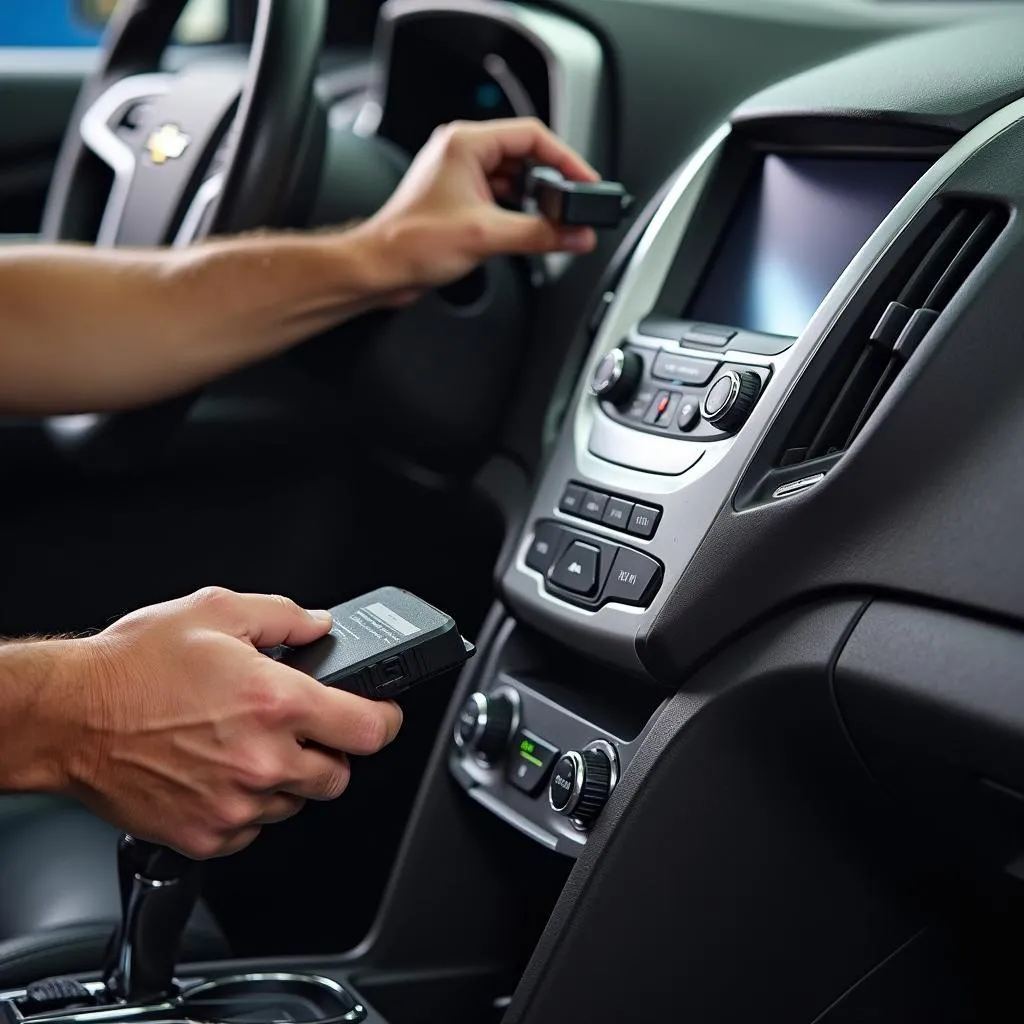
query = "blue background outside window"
{"x": 43, "y": 23}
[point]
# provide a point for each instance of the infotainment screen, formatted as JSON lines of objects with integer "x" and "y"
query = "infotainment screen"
{"x": 799, "y": 223}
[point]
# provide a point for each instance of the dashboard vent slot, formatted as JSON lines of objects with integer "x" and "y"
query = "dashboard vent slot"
{"x": 908, "y": 303}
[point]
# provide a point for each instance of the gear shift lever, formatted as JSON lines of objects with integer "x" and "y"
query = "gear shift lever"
{"x": 159, "y": 889}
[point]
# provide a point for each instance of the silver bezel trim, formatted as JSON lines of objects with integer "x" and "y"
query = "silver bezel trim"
{"x": 572, "y": 53}
{"x": 356, "y": 1014}
{"x": 176, "y": 1011}
{"x": 101, "y": 140}
{"x": 209, "y": 192}
{"x": 798, "y": 486}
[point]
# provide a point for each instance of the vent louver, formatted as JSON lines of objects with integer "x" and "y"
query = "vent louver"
{"x": 908, "y": 303}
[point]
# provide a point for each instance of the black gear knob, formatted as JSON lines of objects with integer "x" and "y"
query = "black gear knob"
{"x": 159, "y": 890}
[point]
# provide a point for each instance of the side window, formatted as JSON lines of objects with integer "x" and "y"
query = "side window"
{"x": 60, "y": 23}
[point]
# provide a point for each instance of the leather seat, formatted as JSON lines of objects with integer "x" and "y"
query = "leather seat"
{"x": 59, "y": 902}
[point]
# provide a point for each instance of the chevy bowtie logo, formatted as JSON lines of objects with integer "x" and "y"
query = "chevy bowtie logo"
{"x": 167, "y": 143}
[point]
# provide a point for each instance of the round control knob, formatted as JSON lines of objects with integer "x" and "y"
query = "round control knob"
{"x": 582, "y": 782}
{"x": 617, "y": 376}
{"x": 486, "y": 723}
{"x": 731, "y": 398}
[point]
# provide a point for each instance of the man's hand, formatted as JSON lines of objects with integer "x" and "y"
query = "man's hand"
{"x": 135, "y": 327}
{"x": 444, "y": 219}
{"x": 179, "y": 731}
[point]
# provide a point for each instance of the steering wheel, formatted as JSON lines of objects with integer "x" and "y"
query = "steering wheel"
{"x": 157, "y": 158}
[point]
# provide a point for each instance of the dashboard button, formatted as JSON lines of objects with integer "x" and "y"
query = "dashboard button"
{"x": 593, "y": 506}
{"x": 572, "y": 500}
{"x": 659, "y": 327}
{"x": 721, "y": 395}
{"x": 707, "y": 334}
{"x": 486, "y": 722}
{"x": 617, "y": 375}
{"x": 618, "y": 513}
{"x": 683, "y": 369}
{"x": 689, "y": 412}
{"x": 644, "y": 521}
{"x": 577, "y": 569}
{"x": 582, "y": 782}
{"x": 530, "y": 760}
{"x": 634, "y": 578}
{"x": 544, "y": 547}
{"x": 731, "y": 398}
{"x": 663, "y": 409}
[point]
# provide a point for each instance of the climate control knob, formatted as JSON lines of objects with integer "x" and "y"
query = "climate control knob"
{"x": 617, "y": 376}
{"x": 582, "y": 782}
{"x": 486, "y": 723}
{"x": 731, "y": 398}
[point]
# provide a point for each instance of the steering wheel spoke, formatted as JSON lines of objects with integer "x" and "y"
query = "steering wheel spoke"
{"x": 212, "y": 148}
{"x": 166, "y": 157}
{"x": 99, "y": 130}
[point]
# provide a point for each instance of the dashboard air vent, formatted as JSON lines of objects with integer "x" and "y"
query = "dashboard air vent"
{"x": 906, "y": 306}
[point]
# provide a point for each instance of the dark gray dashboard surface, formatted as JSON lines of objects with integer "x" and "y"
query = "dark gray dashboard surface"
{"x": 682, "y": 65}
{"x": 949, "y": 78}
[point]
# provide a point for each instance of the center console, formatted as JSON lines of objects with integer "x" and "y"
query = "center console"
{"x": 743, "y": 267}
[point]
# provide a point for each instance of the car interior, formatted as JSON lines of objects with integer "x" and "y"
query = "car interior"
{"x": 730, "y": 508}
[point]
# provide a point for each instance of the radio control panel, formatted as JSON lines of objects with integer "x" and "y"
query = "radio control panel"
{"x": 676, "y": 394}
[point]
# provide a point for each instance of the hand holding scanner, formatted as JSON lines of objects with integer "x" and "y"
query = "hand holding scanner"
{"x": 382, "y": 645}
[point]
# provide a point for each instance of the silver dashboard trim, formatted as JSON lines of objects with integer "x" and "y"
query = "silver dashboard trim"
{"x": 693, "y": 500}
{"x": 497, "y": 67}
{"x": 353, "y": 1016}
{"x": 572, "y": 53}
{"x": 798, "y": 486}
{"x": 209, "y": 192}
{"x": 102, "y": 141}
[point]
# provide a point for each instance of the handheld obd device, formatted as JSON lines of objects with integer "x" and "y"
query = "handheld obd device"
{"x": 382, "y": 645}
{"x": 593, "y": 204}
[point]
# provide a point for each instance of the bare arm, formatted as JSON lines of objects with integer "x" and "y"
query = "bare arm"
{"x": 94, "y": 330}
{"x": 173, "y": 726}
{"x": 84, "y": 330}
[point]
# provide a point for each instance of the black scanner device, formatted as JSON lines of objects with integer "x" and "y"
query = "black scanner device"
{"x": 382, "y": 645}
{"x": 593, "y": 204}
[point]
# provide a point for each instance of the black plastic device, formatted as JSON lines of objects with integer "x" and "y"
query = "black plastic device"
{"x": 383, "y": 644}
{"x": 594, "y": 204}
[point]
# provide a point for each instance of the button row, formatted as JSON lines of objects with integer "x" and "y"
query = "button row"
{"x": 618, "y": 513}
{"x": 589, "y": 571}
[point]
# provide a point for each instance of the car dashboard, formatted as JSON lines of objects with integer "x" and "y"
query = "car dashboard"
{"x": 742, "y": 736}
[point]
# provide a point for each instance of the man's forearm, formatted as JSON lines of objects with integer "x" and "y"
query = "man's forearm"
{"x": 88, "y": 330}
{"x": 34, "y": 686}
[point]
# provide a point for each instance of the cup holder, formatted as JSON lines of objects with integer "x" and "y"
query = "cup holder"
{"x": 271, "y": 999}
